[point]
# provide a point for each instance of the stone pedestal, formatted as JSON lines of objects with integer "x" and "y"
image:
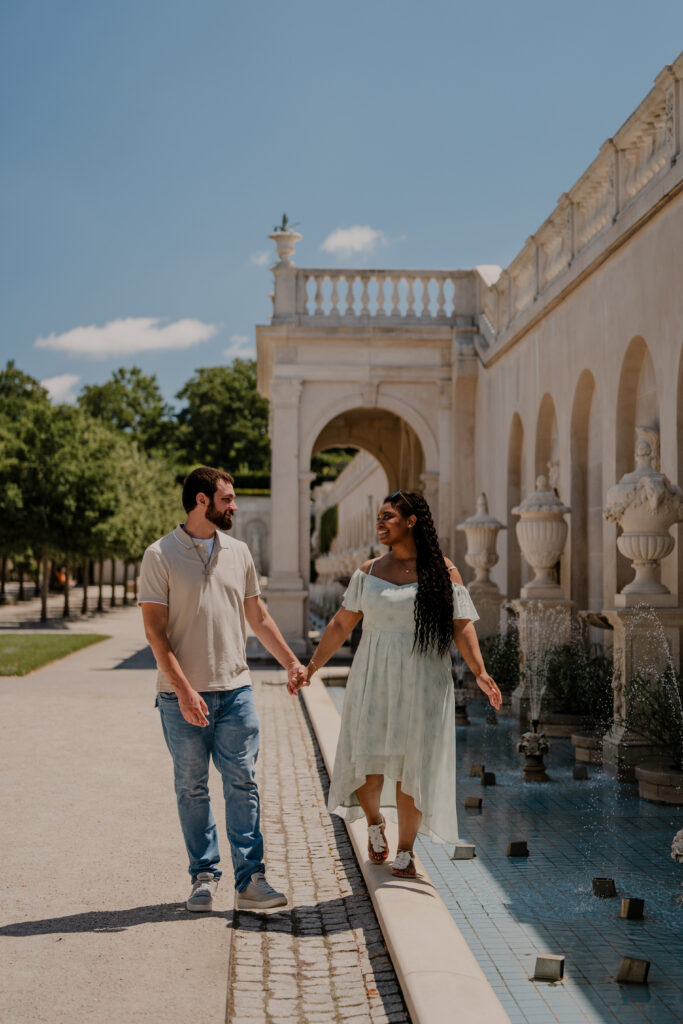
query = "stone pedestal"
{"x": 533, "y": 645}
{"x": 487, "y": 600}
{"x": 636, "y": 650}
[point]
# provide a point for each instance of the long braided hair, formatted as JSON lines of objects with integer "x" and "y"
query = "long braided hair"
{"x": 434, "y": 601}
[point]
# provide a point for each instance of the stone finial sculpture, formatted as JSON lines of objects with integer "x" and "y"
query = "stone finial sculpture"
{"x": 645, "y": 504}
{"x": 542, "y": 532}
{"x": 285, "y": 242}
{"x": 481, "y": 531}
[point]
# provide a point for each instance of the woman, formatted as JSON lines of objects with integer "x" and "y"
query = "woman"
{"x": 397, "y": 741}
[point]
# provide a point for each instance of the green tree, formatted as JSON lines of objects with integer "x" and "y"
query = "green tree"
{"x": 224, "y": 421}
{"x": 19, "y": 395}
{"x": 132, "y": 402}
{"x": 19, "y": 392}
{"x": 65, "y": 480}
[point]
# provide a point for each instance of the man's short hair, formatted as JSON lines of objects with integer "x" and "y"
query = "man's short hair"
{"x": 202, "y": 480}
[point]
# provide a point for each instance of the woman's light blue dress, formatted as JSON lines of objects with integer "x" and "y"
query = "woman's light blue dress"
{"x": 399, "y": 710}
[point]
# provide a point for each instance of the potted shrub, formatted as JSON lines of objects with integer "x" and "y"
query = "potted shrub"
{"x": 655, "y": 712}
{"x": 577, "y": 699}
{"x": 597, "y": 702}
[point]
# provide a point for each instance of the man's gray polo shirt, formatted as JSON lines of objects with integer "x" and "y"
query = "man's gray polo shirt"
{"x": 206, "y": 624}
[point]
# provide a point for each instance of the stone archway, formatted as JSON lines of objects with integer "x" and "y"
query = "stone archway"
{"x": 310, "y": 416}
{"x": 386, "y": 436}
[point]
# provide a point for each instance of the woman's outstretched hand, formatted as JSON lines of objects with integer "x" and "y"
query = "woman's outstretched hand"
{"x": 486, "y": 683}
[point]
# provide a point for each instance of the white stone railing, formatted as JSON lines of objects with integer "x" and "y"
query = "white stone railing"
{"x": 380, "y": 294}
{"x": 342, "y": 295}
{"x": 644, "y": 149}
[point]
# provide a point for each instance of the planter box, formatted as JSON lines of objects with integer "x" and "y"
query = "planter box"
{"x": 587, "y": 748}
{"x": 559, "y": 724}
{"x": 660, "y": 782}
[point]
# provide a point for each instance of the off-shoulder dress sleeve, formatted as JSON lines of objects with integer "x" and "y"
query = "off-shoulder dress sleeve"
{"x": 463, "y": 606}
{"x": 354, "y": 592}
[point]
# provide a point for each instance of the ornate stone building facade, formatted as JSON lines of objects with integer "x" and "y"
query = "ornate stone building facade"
{"x": 469, "y": 381}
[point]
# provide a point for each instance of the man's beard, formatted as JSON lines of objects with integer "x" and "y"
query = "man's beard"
{"x": 223, "y": 520}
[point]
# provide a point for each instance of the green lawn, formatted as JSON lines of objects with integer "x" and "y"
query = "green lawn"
{"x": 21, "y": 653}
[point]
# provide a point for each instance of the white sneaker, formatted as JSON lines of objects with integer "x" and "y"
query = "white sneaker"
{"x": 258, "y": 895}
{"x": 203, "y": 889}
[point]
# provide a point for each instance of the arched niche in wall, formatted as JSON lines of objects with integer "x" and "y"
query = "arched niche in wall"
{"x": 586, "y": 497}
{"x": 547, "y": 453}
{"x": 515, "y": 494}
{"x": 637, "y": 405}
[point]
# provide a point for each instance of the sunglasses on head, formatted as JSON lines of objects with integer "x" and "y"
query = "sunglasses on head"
{"x": 399, "y": 494}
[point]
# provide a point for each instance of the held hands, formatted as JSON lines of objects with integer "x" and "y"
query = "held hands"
{"x": 297, "y": 676}
{"x": 486, "y": 683}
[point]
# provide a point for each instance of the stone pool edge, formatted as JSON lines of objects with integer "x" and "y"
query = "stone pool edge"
{"x": 435, "y": 967}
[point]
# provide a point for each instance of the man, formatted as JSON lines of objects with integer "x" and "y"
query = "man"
{"x": 197, "y": 588}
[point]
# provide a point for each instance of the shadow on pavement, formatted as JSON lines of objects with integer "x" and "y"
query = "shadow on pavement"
{"x": 325, "y": 918}
{"x": 140, "y": 660}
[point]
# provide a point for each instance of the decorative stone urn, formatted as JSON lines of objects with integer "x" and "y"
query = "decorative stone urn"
{"x": 481, "y": 531}
{"x": 542, "y": 532}
{"x": 285, "y": 243}
{"x": 645, "y": 504}
{"x": 534, "y": 746}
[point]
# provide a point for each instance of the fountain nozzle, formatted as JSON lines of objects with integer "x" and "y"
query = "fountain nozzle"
{"x": 534, "y": 723}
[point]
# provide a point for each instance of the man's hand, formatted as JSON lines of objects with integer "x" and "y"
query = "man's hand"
{"x": 296, "y": 677}
{"x": 193, "y": 707}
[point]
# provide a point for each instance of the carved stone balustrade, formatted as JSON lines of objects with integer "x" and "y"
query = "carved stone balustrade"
{"x": 345, "y": 295}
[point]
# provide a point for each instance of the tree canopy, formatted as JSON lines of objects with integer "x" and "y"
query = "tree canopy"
{"x": 224, "y": 421}
{"x": 132, "y": 402}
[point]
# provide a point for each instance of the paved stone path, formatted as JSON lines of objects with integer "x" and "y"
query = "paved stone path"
{"x": 323, "y": 961}
{"x": 93, "y": 926}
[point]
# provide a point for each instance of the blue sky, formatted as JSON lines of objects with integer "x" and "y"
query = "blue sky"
{"x": 149, "y": 148}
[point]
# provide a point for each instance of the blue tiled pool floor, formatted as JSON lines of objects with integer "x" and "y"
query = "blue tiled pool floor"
{"x": 512, "y": 909}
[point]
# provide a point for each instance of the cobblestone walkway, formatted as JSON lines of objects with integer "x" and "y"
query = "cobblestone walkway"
{"x": 323, "y": 959}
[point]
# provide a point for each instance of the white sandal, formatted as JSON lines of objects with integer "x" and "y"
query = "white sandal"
{"x": 378, "y": 848}
{"x": 404, "y": 865}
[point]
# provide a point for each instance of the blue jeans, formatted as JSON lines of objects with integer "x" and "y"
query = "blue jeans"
{"x": 232, "y": 739}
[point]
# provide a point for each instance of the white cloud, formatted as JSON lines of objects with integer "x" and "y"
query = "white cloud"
{"x": 61, "y": 387}
{"x": 240, "y": 347}
{"x": 129, "y": 335}
{"x": 347, "y": 242}
{"x": 260, "y": 258}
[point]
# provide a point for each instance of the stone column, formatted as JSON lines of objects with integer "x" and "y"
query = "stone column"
{"x": 286, "y": 589}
